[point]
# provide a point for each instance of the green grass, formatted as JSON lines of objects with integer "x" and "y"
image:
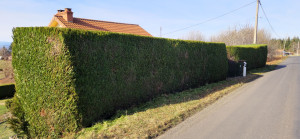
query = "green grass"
{"x": 158, "y": 115}
{"x": 5, "y": 131}
{"x": 3, "y": 109}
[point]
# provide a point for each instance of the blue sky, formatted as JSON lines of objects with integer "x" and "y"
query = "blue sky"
{"x": 171, "y": 15}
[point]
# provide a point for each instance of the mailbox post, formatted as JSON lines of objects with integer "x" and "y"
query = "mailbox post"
{"x": 244, "y": 69}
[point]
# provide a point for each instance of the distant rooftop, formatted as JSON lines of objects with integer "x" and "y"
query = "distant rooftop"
{"x": 64, "y": 18}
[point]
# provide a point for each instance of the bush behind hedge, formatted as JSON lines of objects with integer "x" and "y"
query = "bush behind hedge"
{"x": 254, "y": 54}
{"x": 69, "y": 78}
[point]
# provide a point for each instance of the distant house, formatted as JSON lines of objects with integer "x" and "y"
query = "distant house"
{"x": 6, "y": 57}
{"x": 65, "y": 19}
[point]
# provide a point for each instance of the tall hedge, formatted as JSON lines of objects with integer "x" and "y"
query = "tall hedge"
{"x": 67, "y": 78}
{"x": 254, "y": 54}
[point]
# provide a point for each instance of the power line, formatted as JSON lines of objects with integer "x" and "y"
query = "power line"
{"x": 212, "y": 18}
{"x": 268, "y": 20}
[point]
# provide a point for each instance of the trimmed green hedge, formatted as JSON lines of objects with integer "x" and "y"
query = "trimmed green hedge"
{"x": 255, "y": 55}
{"x": 69, "y": 78}
{"x": 7, "y": 90}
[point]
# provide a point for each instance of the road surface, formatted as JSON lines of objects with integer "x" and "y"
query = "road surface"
{"x": 267, "y": 108}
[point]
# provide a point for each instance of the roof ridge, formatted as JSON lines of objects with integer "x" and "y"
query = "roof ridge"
{"x": 105, "y": 21}
{"x": 91, "y": 24}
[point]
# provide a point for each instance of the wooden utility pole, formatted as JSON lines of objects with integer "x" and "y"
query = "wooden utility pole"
{"x": 283, "y": 52}
{"x": 298, "y": 49}
{"x": 293, "y": 47}
{"x": 256, "y": 20}
{"x": 160, "y": 31}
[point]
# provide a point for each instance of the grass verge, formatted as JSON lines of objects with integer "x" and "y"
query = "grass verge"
{"x": 270, "y": 66}
{"x": 158, "y": 115}
{"x": 5, "y": 131}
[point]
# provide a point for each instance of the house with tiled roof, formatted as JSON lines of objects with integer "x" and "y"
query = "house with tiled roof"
{"x": 65, "y": 19}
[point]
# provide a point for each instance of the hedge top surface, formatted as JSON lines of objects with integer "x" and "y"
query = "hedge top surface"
{"x": 254, "y": 54}
{"x": 7, "y": 84}
{"x": 249, "y": 45}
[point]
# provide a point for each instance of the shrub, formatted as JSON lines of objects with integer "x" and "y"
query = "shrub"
{"x": 17, "y": 122}
{"x": 254, "y": 55}
{"x": 7, "y": 90}
{"x": 71, "y": 78}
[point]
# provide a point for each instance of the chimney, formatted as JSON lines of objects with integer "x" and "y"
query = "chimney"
{"x": 67, "y": 14}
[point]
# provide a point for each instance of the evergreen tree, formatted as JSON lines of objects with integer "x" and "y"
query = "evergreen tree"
{"x": 10, "y": 48}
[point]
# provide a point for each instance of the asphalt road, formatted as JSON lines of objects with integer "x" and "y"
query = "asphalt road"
{"x": 267, "y": 108}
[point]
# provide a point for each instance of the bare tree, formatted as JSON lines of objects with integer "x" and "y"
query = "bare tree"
{"x": 240, "y": 35}
{"x": 274, "y": 49}
{"x": 194, "y": 35}
{"x": 4, "y": 52}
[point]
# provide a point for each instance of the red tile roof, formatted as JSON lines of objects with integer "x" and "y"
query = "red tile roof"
{"x": 88, "y": 24}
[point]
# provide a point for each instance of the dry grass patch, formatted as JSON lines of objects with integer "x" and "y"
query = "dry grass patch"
{"x": 155, "y": 117}
{"x": 2, "y": 65}
{"x": 6, "y": 69}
